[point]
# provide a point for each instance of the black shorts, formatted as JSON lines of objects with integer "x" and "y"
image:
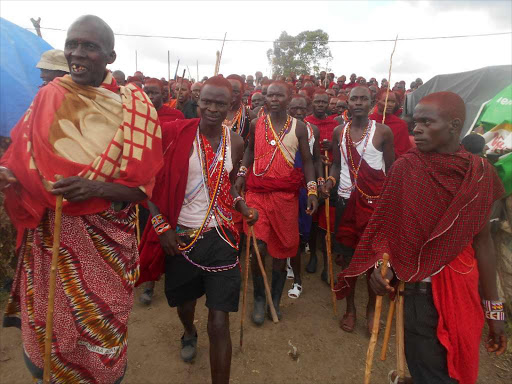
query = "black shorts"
{"x": 185, "y": 282}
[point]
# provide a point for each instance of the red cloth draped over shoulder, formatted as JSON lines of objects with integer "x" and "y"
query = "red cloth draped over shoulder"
{"x": 325, "y": 126}
{"x": 461, "y": 318}
{"x": 359, "y": 210}
{"x": 400, "y": 131}
{"x": 431, "y": 207}
{"x": 169, "y": 193}
{"x": 57, "y": 115}
{"x": 167, "y": 114}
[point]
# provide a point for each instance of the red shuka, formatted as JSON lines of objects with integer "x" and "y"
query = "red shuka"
{"x": 400, "y": 131}
{"x": 168, "y": 194}
{"x": 167, "y": 114}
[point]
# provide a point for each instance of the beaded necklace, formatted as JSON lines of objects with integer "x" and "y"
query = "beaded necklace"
{"x": 237, "y": 124}
{"x": 354, "y": 170}
{"x": 275, "y": 142}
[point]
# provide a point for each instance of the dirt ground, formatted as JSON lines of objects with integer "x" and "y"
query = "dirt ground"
{"x": 326, "y": 354}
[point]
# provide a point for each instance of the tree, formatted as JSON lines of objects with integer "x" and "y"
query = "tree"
{"x": 301, "y": 54}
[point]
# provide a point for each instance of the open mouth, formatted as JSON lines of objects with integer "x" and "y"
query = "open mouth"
{"x": 77, "y": 68}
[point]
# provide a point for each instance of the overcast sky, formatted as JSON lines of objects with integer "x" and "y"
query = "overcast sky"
{"x": 342, "y": 20}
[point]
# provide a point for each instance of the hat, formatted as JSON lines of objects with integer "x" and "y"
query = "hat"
{"x": 53, "y": 60}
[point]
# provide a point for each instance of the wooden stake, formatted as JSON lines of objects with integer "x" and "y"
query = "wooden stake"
{"x": 176, "y": 72}
{"x": 179, "y": 90}
{"x": 197, "y": 70}
{"x": 168, "y": 66}
{"x": 136, "y": 69}
{"x": 389, "y": 81}
{"x": 51, "y": 291}
{"x": 217, "y": 64}
{"x": 246, "y": 283}
{"x": 375, "y": 330}
{"x": 387, "y": 332}
{"x": 328, "y": 244}
{"x": 400, "y": 350}
{"x": 275, "y": 319}
{"x": 37, "y": 26}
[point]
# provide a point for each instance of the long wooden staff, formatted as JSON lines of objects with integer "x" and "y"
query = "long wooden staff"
{"x": 246, "y": 281}
{"x": 275, "y": 319}
{"x": 387, "y": 332}
{"x": 400, "y": 351}
{"x": 51, "y": 291}
{"x": 375, "y": 330}
{"x": 389, "y": 81}
{"x": 328, "y": 244}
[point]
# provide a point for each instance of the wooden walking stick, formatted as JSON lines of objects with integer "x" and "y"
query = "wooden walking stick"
{"x": 375, "y": 330}
{"x": 400, "y": 351}
{"x": 387, "y": 332}
{"x": 275, "y": 319}
{"x": 389, "y": 81}
{"x": 179, "y": 90}
{"x": 328, "y": 244}
{"x": 51, "y": 290}
{"x": 246, "y": 282}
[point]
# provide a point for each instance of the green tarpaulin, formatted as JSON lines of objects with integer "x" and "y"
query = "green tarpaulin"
{"x": 498, "y": 110}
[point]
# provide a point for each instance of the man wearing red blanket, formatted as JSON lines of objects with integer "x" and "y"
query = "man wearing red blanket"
{"x": 193, "y": 238}
{"x": 166, "y": 114}
{"x": 433, "y": 221}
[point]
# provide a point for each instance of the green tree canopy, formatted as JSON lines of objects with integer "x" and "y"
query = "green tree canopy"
{"x": 301, "y": 54}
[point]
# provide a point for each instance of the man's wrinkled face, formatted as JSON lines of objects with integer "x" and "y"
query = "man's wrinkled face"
{"x": 155, "y": 95}
{"x": 278, "y": 97}
{"x": 237, "y": 91}
{"x": 298, "y": 108}
{"x": 320, "y": 103}
{"x": 257, "y": 100}
{"x": 195, "y": 90}
{"x": 182, "y": 92}
{"x": 87, "y": 52}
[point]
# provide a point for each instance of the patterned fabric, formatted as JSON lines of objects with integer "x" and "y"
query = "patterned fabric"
{"x": 278, "y": 223}
{"x": 97, "y": 270}
{"x": 431, "y": 207}
{"x": 108, "y": 133}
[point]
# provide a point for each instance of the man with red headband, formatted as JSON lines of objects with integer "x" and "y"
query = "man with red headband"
{"x": 363, "y": 153}
{"x": 432, "y": 220}
{"x": 273, "y": 185}
{"x": 105, "y": 141}
{"x": 192, "y": 238}
{"x": 399, "y": 127}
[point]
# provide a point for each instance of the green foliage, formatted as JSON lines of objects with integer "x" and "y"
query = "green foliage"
{"x": 301, "y": 54}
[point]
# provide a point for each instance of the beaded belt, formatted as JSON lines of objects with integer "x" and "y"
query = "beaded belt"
{"x": 191, "y": 232}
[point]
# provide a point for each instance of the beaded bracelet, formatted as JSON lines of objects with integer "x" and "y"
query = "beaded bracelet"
{"x": 379, "y": 263}
{"x": 495, "y": 315}
{"x": 320, "y": 181}
{"x": 242, "y": 171}
{"x": 312, "y": 193}
{"x": 157, "y": 219}
{"x": 492, "y": 306}
{"x": 236, "y": 200}
{"x": 162, "y": 228}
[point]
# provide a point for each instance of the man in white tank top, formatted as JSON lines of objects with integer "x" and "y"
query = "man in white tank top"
{"x": 193, "y": 217}
{"x": 364, "y": 153}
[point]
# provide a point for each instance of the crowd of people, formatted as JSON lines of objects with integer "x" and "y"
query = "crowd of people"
{"x": 194, "y": 169}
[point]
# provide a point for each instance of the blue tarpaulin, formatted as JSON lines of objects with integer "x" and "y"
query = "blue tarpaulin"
{"x": 20, "y": 50}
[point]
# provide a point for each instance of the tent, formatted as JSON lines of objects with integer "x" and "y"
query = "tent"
{"x": 20, "y": 50}
{"x": 475, "y": 87}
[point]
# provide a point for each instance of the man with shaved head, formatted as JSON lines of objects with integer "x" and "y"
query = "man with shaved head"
{"x": 87, "y": 146}
{"x": 433, "y": 221}
{"x": 362, "y": 156}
